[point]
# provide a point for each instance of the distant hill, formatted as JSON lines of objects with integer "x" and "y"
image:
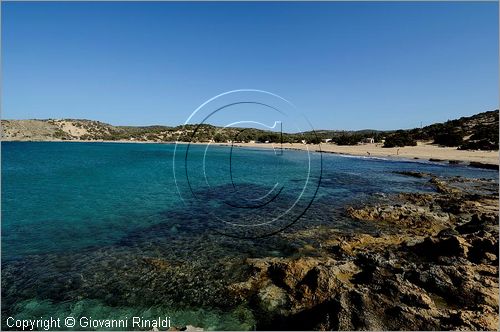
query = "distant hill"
{"x": 467, "y": 125}
{"x": 326, "y": 133}
{"x": 74, "y": 129}
{"x": 479, "y": 131}
{"x": 89, "y": 130}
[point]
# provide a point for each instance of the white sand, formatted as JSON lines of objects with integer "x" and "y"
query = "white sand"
{"x": 424, "y": 151}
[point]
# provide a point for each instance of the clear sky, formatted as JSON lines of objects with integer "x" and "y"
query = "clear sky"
{"x": 344, "y": 65}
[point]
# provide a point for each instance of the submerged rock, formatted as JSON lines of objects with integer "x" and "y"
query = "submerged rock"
{"x": 443, "y": 187}
{"x": 413, "y": 174}
{"x": 477, "y": 164}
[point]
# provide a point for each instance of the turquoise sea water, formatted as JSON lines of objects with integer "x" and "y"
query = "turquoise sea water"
{"x": 87, "y": 228}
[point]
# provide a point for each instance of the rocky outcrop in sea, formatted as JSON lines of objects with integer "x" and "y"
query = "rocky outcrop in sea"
{"x": 437, "y": 270}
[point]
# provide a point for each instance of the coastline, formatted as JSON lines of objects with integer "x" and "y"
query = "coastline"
{"x": 421, "y": 152}
{"x": 432, "y": 263}
{"x": 408, "y": 153}
{"x": 437, "y": 271}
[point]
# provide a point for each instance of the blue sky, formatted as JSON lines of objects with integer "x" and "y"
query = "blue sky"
{"x": 344, "y": 65}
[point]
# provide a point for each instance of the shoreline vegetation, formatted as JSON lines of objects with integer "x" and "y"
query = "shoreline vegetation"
{"x": 473, "y": 140}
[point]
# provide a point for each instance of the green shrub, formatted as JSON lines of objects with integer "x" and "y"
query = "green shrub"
{"x": 399, "y": 139}
{"x": 449, "y": 139}
{"x": 347, "y": 139}
{"x": 58, "y": 133}
{"x": 483, "y": 144}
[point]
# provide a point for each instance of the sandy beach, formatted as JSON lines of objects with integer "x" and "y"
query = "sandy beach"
{"x": 423, "y": 151}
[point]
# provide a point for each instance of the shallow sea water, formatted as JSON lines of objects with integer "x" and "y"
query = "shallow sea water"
{"x": 106, "y": 230}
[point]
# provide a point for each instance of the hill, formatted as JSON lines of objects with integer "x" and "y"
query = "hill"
{"x": 479, "y": 131}
{"x": 89, "y": 130}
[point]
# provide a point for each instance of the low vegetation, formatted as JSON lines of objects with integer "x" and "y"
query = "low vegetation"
{"x": 399, "y": 139}
{"x": 478, "y": 132}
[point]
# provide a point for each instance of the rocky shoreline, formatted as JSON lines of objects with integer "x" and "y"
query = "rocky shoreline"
{"x": 437, "y": 271}
{"x": 431, "y": 264}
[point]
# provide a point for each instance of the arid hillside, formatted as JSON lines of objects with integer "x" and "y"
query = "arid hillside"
{"x": 477, "y": 132}
{"x": 42, "y": 130}
{"x": 75, "y": 129}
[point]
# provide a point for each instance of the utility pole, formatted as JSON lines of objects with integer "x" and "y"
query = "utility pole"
{"x": 281, "y": 137}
